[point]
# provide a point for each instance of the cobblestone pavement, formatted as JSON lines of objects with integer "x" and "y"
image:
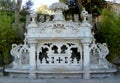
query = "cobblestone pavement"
{"x": 23, "y": 80}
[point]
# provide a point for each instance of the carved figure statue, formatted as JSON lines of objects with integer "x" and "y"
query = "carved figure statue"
{"x": 104, "y": 52}
{"x": 16, "y": 55}
{"x": 20, "y": 54}
{"x": 99, "y": 52}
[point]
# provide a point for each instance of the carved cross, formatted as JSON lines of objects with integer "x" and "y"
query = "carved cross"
{"x": 59, "y": 60}
{"x": 66, "y": 59}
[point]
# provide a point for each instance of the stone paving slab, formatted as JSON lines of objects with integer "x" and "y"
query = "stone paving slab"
{"x": 23, "y": 80}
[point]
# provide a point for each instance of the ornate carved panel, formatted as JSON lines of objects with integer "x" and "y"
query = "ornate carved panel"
{"x": 59, "y": 52}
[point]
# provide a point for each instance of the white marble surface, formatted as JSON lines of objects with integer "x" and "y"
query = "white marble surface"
{"x": 61, "y": 46}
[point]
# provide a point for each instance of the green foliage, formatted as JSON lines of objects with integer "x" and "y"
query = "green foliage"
{"x": 64, "y": 1}
{"x": 109, "y": 32}
{"x": 26, "y": 10}
{"x": 92, "y": 6}
{"x": 8, "y": 36}
{"x": 27, "y": 7}
{"x": 6, "y": 5}
{"x": 9, "y": 32}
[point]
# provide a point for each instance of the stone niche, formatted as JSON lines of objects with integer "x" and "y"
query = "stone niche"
{"x": 60, "y": 49}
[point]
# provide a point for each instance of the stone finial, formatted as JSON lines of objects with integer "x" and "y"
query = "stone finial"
{"x": 25, "y": 34}
{"x": 33, "y": 16}
{"x": 84, "y": 14}
{"x": 25, "y": 42}
{"x": 94, "y": 40}
{"x": 58, "y": 6}
{"x": 33, "y": 22}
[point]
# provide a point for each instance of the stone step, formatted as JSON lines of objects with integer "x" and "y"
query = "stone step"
{"x": 26, "y": 80}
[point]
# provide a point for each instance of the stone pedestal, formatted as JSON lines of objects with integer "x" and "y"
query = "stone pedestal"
{"x": 86, "y": 62}
{"x": 32, "y": 58}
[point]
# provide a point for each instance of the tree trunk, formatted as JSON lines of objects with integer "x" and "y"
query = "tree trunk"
{"x": 79, "y": 5}
{"x": 17, "y": 10}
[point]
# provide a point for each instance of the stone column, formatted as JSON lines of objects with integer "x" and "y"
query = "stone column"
{"x": 86, "y": 60}
{"x": 32, "y": 59}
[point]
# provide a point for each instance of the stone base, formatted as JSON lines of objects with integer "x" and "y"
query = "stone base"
{"x": 103, "y": 73}
{"x": 1, "y": 71}
{"x": 59, "y": 75}
{"x": 17, "y": 73}
{"x": 98, "y": 73}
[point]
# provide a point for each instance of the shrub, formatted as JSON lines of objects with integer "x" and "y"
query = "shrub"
{"x": 109, "y": 32}
{"x": 8, "y": 36}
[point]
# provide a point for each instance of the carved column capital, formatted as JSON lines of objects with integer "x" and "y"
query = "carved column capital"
{"x": 86, "y": 40}
{"x": 32, "y": 41}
